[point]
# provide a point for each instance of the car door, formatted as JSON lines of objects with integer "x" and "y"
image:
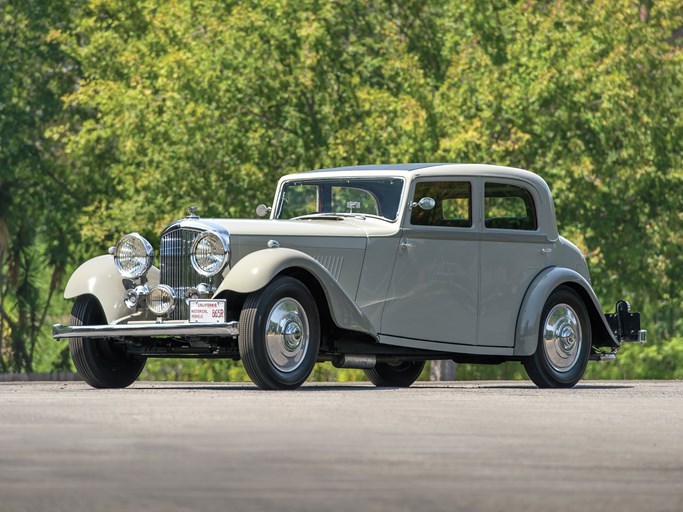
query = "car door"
{"x": 513, "y": 253}
{"x": 434, "y": 288}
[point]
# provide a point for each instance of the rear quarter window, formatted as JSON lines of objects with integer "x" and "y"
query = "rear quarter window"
{"x": 509, "y": 207}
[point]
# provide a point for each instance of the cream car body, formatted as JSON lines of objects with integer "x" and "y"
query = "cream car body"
{"x": 451, "y": 280}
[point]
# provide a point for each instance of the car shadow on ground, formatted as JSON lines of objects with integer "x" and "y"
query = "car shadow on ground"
{"x": 578, "y": 387}
{"x": 252, "y": 387}
{"x": 365, "y": 386}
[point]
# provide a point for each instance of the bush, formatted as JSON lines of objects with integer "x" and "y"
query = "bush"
{"x": 663, "y": 360}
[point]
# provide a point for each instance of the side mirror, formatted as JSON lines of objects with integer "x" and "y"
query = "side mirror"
{"x": 426, "y": 203}
{"x": 262, "y": 210}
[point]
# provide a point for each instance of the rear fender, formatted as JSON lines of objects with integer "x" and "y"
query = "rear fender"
{"x": 529, "y": 318}
{"x": 257, "y": 269}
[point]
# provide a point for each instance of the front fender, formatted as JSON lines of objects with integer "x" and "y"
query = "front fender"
{"x": 100, "y": 278}
{"x": 257, "y": 269}
{"x": 529, "y": 318}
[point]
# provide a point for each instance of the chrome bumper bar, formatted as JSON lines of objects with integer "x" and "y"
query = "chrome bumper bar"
{"x": 60, "y": 331}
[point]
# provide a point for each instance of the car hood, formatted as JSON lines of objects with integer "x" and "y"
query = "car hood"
{"x": 276, "y": 228}
{"x": 339, "y": 245}
{"x": 328, "y": 227}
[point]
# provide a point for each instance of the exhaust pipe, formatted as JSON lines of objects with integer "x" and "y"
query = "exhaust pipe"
{"x": 363, "y": 362}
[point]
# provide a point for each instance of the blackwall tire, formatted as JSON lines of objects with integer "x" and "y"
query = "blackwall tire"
{"x": 279, "y": 335}
{"x": 399, "y": 375}
{"x": 564, "y": 342}
{"x": 100, "y": 362}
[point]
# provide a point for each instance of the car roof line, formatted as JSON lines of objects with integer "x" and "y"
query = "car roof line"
{"x": 384, "y": 167}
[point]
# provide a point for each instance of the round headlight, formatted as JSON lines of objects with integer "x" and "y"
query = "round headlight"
{"x": 210, "y": 253}
{"x": 161, "y": 299}
{"x": 133, "y": 256}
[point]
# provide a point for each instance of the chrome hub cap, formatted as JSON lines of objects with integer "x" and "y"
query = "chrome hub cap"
{"x": 287, "y": 335}
{"x": 562, "y": 337}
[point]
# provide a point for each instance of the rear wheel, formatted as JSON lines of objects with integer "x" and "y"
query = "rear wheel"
{"x": 100, "y": 362}
{"x": 279, "y": 334}
{"x": 395, "y": 375}
{"x": 564, "y": 342}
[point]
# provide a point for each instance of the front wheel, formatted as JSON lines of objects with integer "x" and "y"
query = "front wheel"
{"x": 279, "y": 334}
{"x": 564, "y": 342}
{"x": 395, "y": 375}
{"x": 100, "y": 362}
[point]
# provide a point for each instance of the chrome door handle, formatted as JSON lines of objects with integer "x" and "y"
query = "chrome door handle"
{"x": 547, "y": 250}
{"x": 405, "y": 244}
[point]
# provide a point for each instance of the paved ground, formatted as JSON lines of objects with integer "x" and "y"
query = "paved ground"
{"x": 493, "y": 446}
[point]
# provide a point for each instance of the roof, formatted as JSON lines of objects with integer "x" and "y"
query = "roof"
{"x": 409, "y": 170}
{"x": 423, "y": 169}
{"x": 383, "y": 167}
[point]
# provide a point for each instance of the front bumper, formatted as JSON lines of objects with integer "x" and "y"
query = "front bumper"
{"x": 147, "y": 330}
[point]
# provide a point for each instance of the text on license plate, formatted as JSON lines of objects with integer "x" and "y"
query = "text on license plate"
{"x": 207, "y": 311}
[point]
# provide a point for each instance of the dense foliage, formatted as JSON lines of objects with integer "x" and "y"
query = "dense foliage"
{"x": 116, "y": 116}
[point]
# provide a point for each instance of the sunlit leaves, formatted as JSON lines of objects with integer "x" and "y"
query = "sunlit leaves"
{"x": 589, "y": 96}
{"x": 210, "y": 103}
{"x": 116, "y": 116}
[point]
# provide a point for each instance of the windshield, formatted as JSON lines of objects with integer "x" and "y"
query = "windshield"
{"x": 379, "y": 197}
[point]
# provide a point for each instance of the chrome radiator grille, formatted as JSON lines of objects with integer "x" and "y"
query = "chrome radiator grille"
{"x": 176, "y": 269}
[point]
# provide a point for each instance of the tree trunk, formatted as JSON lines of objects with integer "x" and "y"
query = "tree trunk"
{"x": 442, "y": 370}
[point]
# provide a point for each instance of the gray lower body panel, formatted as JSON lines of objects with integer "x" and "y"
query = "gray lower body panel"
{"x": 445, "y": 347}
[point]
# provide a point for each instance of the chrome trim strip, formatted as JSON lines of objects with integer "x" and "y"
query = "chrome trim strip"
{"x": 60, "y": 331}
{"x": 196, "y": 225}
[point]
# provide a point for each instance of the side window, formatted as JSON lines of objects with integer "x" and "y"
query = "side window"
{"x": 508, "y": 207}
{"x": 453, "y": 204}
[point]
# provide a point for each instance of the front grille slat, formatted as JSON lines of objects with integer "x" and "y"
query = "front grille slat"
{"x": 176, "y": 269}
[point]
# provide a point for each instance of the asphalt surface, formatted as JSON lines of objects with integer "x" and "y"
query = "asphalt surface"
{"x": 485, "y": 446}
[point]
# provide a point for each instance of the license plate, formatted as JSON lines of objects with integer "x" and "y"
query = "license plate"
{"x": 207, "y": 311}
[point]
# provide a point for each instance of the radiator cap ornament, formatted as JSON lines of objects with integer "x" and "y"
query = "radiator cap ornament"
{"x": 191, "y": 212}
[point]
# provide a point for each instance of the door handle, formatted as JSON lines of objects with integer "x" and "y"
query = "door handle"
{"x": 405, "y": 244}
{"x": 547, "y": 250}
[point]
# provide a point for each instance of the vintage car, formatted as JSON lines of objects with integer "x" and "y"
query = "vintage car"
{"x": 379, "y": 267}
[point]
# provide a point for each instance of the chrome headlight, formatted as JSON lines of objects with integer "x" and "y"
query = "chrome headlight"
{"x": 161, "y": 299}
{"x": 210, "y": 253}
{"x": 133, "y": 256}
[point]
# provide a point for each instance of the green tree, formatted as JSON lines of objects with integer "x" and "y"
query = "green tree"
{"x": 35, "y": 210}
{"x": 117, "y": 116}
{"x": 590, "y": 96}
